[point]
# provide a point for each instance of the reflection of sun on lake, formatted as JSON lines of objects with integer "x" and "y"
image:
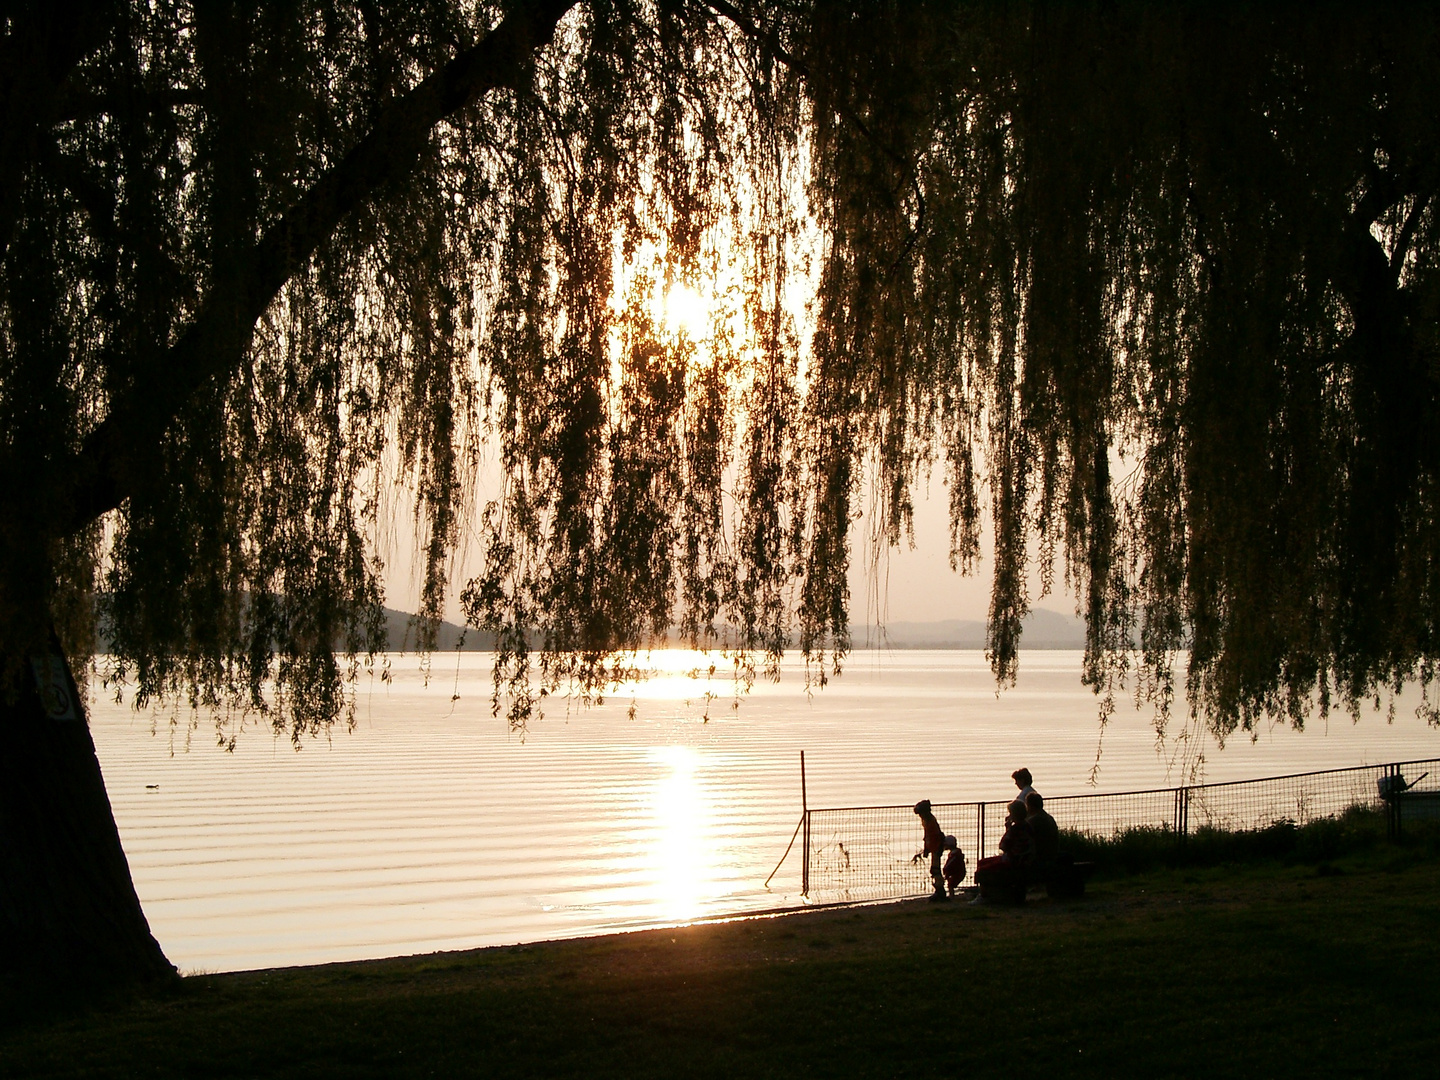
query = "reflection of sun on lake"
{"x": 687, "y": 674}
{"x": 682, "y": 820}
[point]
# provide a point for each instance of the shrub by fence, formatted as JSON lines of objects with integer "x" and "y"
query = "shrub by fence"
{"x": 865, "y": 852}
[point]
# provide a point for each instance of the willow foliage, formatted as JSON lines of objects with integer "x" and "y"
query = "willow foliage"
{"x": 1152, "y": 285}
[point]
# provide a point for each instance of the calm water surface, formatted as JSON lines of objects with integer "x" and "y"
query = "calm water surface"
{"x": 432, "y": 827}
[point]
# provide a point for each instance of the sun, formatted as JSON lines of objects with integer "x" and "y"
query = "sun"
{"x": 684, "y": 311}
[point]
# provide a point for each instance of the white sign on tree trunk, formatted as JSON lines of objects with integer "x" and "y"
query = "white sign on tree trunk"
{"x": 57, "y": 695}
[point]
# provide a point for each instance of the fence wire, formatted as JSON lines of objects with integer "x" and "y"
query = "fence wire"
{"x": 866, "y": 852}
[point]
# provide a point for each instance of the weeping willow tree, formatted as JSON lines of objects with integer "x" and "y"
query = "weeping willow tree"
{"x": 1153, "y": 288}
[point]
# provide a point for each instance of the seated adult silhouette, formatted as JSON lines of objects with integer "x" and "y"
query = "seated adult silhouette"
{"x": 1043, "y": 829}
{"x": 1062, "y": 876}
{"x": 1024, "y": 782}
{"x": 1003, "y": 876}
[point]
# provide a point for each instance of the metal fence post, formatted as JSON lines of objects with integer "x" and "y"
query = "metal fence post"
{"x": 979, "y": 831}
{"x": 805, "y": 862}
{"x": 1181, "y": 822}
{"x": 805, "y": 810}
{"x": 1399, "y": 807}
{"x": 1391, "y": 795}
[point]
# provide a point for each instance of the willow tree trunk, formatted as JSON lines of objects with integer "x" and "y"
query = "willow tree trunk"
{"x": 69, "y": 914}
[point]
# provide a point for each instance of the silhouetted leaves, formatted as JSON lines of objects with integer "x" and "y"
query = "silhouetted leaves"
{"x": 1151, "y": 285}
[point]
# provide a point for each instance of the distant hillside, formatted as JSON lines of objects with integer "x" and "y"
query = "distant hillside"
{"x": 1043, "y": 629}
{"x": 400, "y": 635}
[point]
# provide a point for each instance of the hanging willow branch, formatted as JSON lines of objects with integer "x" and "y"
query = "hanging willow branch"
{"x": 1152, "y": 287}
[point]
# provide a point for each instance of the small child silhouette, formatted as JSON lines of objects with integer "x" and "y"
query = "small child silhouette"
{"x": 954, "y": 870}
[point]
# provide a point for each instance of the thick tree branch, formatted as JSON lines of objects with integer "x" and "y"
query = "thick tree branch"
{"x": 1407, "y": 234}
{"x": 87, "y": 105}
{"x": 96, "y": 199}
{"x": 45, "y": 43}
{"x": 126, "y": 445}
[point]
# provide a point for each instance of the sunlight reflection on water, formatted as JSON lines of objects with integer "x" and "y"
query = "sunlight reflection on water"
{"x": 433, "y": 827}
{"x": 682, "y": 819}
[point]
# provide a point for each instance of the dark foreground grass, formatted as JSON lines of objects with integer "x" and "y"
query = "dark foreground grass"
{"x": 1265, "y": 969}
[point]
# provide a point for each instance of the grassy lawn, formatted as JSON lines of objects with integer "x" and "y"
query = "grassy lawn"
{"x": 1261, "y": 969}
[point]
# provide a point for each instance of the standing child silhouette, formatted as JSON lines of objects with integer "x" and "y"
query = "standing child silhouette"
{"x": 934, "y": 847}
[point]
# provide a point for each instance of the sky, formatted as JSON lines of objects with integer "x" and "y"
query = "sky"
{"x": 917, "y": 585}
{"x": 906, "y": 585}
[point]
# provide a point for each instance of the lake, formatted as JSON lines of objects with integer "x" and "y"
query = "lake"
{"x": 432, "y": 827}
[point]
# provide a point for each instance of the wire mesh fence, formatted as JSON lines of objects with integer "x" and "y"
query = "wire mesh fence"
{"x": 868, "y": 852}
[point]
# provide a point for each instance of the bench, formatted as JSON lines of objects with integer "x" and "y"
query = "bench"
{"x": 1419, "y": 805}
{"x": 1063, "y": 878}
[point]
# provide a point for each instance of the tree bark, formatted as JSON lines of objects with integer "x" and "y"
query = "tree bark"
{"x": 69, "y": 914}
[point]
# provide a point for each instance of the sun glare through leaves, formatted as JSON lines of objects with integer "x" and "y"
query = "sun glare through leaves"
{"x": 685, "y": 311}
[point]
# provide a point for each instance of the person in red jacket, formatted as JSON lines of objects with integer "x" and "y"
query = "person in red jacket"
{"x": 1006, "y": 872}
{"x": 934, "y": 847}
{"x": 1018, "y": 844}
